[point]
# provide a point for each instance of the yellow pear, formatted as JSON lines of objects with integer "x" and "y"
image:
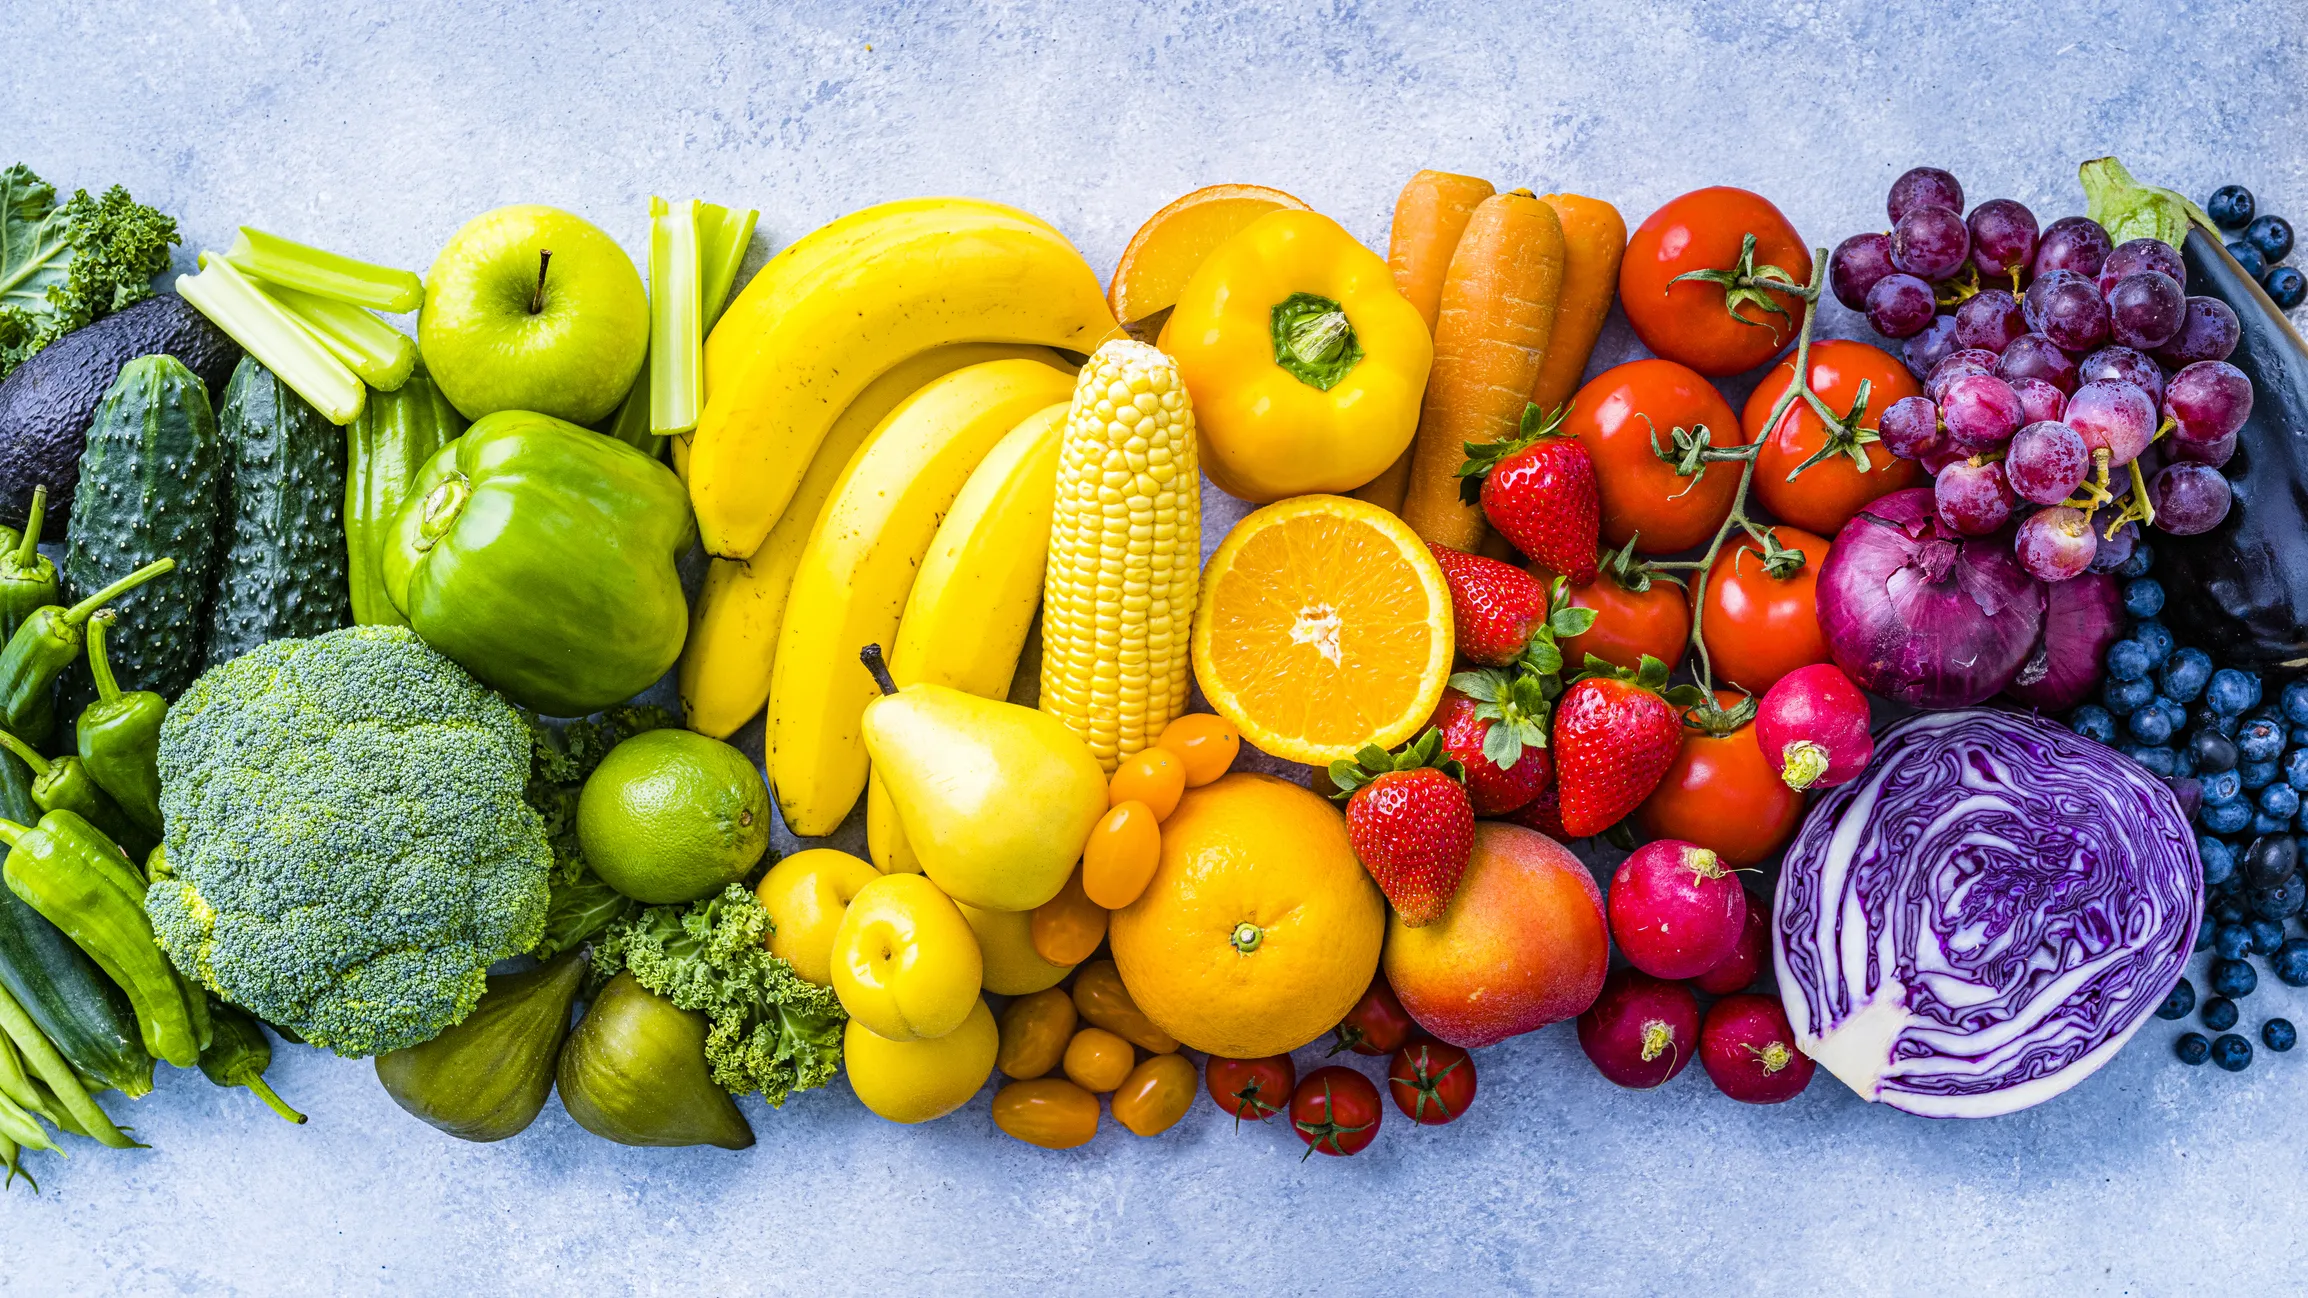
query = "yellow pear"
{"x": 996, "y": 800}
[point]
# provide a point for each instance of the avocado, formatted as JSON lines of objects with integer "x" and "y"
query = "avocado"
{"x": 46, "y": 405}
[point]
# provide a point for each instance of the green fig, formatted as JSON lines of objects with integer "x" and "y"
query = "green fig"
{"x": 634, "y": 1072}
{"x": 487, "y": 1077}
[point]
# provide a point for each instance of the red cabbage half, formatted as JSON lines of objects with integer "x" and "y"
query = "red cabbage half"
{"x": 1985, "y": 916}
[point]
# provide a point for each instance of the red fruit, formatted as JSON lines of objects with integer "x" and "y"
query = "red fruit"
{"x": 1496, "y": 606}
{"x": 1675, "y": 910}
{"x": 1466, "y": 723}
{"x": 1812, "y": 725}
{"x": 1336, "y": 1111}
{"x": 1411, "y": 824}
{"x": 1748, "y": 1050}
{"x": 1614, "y": 740}
{"x": 1539, "y": 491}
{"x": 1543, "y": 813}
{"x": 1431, "y": 1082}
{"x": 1251, "y": 1088}
{"x": 1641, "y": 1031}
{"x": 1738, "y": 970}
{"x": 1377, "y": 1025}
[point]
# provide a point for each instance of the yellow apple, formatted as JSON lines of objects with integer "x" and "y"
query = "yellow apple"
{"x": 905, "y": 962}
{"x": 915, "y": 1081}
{"x": 806, "y": 895}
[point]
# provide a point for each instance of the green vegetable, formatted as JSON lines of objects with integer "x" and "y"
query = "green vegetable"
{"x": 65, "y": 785}
{"x": 487, "y": 1078}
{"x": 72, "y": 1098}
{"x": 272, "y": 334}
{"x": 62, "y": 267}
{"x": 634, "y": 1072}
{"x": 47, "y": 643}
{"x": 541, "y": 557}
{"x": 237, "y": 1055}
{"x": 2129, "y": 210}
{"x": 119, "y": 735}
{"x": 27, "y": 578}
{"x": 382, "y": 355}
{"x": 561, "y": 760}
{"x": 347, "y": 848}
{"x": 397, "y": 433}
{"x": 676, "y": 323}
{"x": 283, "y": 571}
{"x": 772, "y": 1031}
{"x": 285, "y": 263}
{"x": 723, "y": 238}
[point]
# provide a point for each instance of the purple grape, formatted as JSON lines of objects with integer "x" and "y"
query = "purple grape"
{"x": 1910, "y": 428}
{"x": 1972, "y": 498}
{"x": 1980, "y": 410}
{"x": 1923, "y": 187}
{"x": 2207, "y": 401}
{"x": 2066, "y": 307}
{"x": 2047, "y": 462}
{"x": 2208, "y": 333}
{"x": 1989, "y": 320}
{"x": 2124, "y": 366}
{"x": 1899, "y": 306}
{"x": 2074, "y": 243}
{"x": 2033, "y": 356}
{"x": 2056, "y": 544}
{"x": 2003, "y": 237}
{"x": 2190, "y": 499}
{"x": 2114, "y": 417}
{"x": 2116, "y": 550}
{"x": 1954, "y": 366}
{"x": 1930, "y": 242}
{"x": 2215, "y": 452}
{"x": 1857, "y": 263}
{"x": 2137, "y": 255}
{"x": 2038, "y": 400}
{"x": 1928, "y": 348}
{"x": 2145, "y": 309}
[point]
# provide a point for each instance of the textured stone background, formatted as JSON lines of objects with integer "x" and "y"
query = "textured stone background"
{"x": 377, "y": 129}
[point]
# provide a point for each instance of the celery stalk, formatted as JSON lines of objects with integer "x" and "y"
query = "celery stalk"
{"x": 268, "y": 332}
{"x": 722, "y": 240}
{"x": 676, "y": 330}
{"x": 379, "y": 353}
{"x": 630, "y": 424}
{"x": 325, "y": 274}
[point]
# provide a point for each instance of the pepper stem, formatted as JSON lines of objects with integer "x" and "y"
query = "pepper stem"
{"x": 29, "y": 755}
{"x": 35, "y": 518}
{"x": 256, "y": 1084}
{"x": 871, "y": 656}
{"x": 86, "y": 608}
{"x": 12, "y": 833}
{"x": 100, "y": 665}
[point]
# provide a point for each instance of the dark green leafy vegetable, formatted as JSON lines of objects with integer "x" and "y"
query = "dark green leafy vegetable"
{"x": 63, "y": 266}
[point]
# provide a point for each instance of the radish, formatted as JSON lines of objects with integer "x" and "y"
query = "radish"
{"x": 1675, "y": 909}
{"x": 1813, "y": 725}
{"x": 1749, "y": 1051}
{"x": 1738, "y": 969}
{"x": 1641, "y": 1031}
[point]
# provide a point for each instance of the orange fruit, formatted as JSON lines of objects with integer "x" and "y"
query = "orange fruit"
{"x": 1164, "y": 253}
{"x": 1260, "y": 929}
{"x": 1324, "y": 626}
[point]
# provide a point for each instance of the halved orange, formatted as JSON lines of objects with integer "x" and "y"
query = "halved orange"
{"x": 1164, "y": 253}
{"x": 1324, "y": 626}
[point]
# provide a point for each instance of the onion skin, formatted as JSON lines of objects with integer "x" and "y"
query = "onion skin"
{"x": 2082, "y": 617}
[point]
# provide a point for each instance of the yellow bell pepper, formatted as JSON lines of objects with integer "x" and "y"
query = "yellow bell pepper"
{"x": 1306, "y": 365}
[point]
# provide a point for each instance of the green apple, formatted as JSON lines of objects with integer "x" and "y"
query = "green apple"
{"x": 532, "y": 308}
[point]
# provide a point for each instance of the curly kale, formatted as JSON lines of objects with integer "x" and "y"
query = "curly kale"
{"x": 63, "y": 266}
{"x": 560, "y": 761}
{"x": 771, "y": 1031}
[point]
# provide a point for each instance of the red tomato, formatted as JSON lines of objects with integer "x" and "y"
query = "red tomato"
{"x": 1615, "y": 416}
{"x": 1432, "y": 1082}
{"x": 1828, "y": 494}
{"x": 1692, "y": 321}
{"x": 1335, "y": 1110}
{"x": 1377, "y": 1025}
{"x": 1250, "y": 1088}
{"x": 1722, "y": 795}
{"x": 1759, "y": 627}
{"x": 1628, "y": 623}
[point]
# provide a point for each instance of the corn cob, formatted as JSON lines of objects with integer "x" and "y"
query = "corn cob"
{"x": 1125, "y": 550}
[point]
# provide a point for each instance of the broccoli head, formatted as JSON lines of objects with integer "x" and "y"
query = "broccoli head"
{"x": 348, "y": 848}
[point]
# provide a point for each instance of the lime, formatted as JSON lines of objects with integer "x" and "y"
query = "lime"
{"x": 671, "y": 815}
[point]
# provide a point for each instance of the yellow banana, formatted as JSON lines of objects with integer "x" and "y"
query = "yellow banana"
{"x": 725, "y": 666}
{"x": 854, "y": 578}
{"x": 845, "y": 303}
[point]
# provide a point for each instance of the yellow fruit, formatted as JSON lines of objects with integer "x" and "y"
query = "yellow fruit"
{"x": 1121, "y": 855}
{"x": 1006, "y": 944}
{"x": 1097, "y": 1060}
{"x": 1260, "y": 929}
{"x": 1163, "y": 255}
{"x": 1035, "y": 1030}
{"x": 916, "y": 1081}
{"x": 905, "y": 962}
{"x": 1153, "y": 776}
{"x": 1325, "y": 625}
{"x": 885, "y": 837}
{"x": 1206, "y": 744}
{"x": 806, "y": 895}
{"x": 1048, "y": 1111}
{"x": 1155, "y": 1095}
{"x": 1068, "y": 927}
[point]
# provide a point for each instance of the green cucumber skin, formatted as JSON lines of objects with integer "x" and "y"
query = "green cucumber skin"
{"x": 153, "y": 485}
{"x": 282, "y": 573}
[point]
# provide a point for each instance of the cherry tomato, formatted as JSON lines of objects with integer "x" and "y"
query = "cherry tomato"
{"x": 1155, "y": 1095}
{"x": 1034, "y": 1033}
{"x": 1825, "y": 496}
{"x": 1722, "y": 795}
{"x": 1119, "y": 860}
{"x": 1097, "y": 1060}
{"x": 1628, "y": 623}
{"x": 1154, "y": 776}
{"x": 1377, "y": 1025}
{"x": 1431, "y": 1082}
{"x": 1644, "y": 496}
{"x": 1759, "y": 627}
{"x": 1692, "y": 322}
{"x": 1250, "y": 1089}
{"x": 1205, "y": 743}
{"x": 1069, "y": 927}
{"x": 1336, "y": 1111}
{"x": 1050, "y": 1111}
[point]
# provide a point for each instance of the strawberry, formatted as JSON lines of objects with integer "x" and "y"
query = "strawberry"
{"x": 1496, "y": 606}
{"x": 1615, "y": 736}
{"x": 1411, "y": 824}
{"x": 1538, "y": 489}
{"x": 1543, "y": 813}
{"x": 1495, "y": 724}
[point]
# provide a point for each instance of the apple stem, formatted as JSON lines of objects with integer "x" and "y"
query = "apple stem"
{"x": 537, "y": 299}
{"x": 871, "y": 656}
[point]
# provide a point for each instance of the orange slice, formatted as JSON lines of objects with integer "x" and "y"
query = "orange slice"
{"x": 1164, "y": 253}
{"x": 1324, "y": 626}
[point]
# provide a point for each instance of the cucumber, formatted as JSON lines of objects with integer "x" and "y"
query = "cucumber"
{"x": 392, "y": 438}
{"x": 282, "y": 574}
{"x": 152, "y": 485}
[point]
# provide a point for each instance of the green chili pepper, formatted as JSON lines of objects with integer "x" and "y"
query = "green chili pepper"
{"x": 64, "y": 784}
{"x": 238, "y": 1056}
{"x": 27, "y": 578}
{"x": 82, "y": 884}
{"x": 38, "y": 652}
{"x": 120, "y": 736}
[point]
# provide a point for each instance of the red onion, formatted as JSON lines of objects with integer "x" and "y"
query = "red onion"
{"x": 1921, "y": 615}
{"x": 2082, "y": 617}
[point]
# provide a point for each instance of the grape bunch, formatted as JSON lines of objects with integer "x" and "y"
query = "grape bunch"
{"x": 2065, "y": 378}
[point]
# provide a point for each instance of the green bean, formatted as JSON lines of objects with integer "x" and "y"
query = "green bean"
{"x": 52, "y": 1069}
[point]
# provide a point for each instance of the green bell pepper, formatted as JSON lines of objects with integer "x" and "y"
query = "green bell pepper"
{"x": 540, "y": 556}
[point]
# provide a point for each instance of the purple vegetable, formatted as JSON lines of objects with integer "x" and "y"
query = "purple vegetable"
{"x": 1985, "y": 917}
{"x": 2082, "y": 617}
{"x": 1919, "y": 614}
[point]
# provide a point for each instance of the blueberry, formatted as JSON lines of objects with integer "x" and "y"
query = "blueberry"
{"x": 2184, "y": 766}
{"x": 2212, "y": 750}
{"x": 2280, "y": 901}
{"x": 2272, "y": 235}
{"x": 2298, "y": 737}
{"x": 2281, "y": 800}
{"x": 2129, "y": 660}
{"x": 2093, "y": 722}
{"x": 2204, "y": 718}
{"x": 2171, "y": 709}
{"x": 2230, "y": 207}
{"x": 2192, "y": 1048}
{"x": 2232, "y": 977}
{"x": 2177, "y": 1005}
{"x": 2229, "y": 909}
{"x": 2286, "y": 287}
{"x": 2232, "y": 1052}
{"x": 2231, "y": 691}
{"x": 2150, "y": 725}
{"x": 2277, "y": 1035}
{"x": 2227, "y": 817}
{"x": 2142, "y": 558}
{"x": 2248, "y": 258}
{"x": 2221, "y": 787}
{"x": 2125, "y": 697}
{"x": 2232, "y": 941}
{"x": 2219, "y": 859}
{"x": 2290, "y": 963}
{"x": 2185, "y": 674}
{"x": 2259, "y": 740}
{"x": 2220, "y": 1014}
{"x": 2263, "y": 823}
{"x": 2267, "y": 935}
{"x": 2295, "y": 769}
{"x": 2270, "y": 859}
{"x": 2143, "y": 597}
{"x": 2257, "y": 775}
{"x": 2156, "y": 638}
{"x": 2155, "y": 758}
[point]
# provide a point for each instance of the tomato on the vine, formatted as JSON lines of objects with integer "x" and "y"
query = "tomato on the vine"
{"x": 1629, "y": 623}
{"x": 1721, "y": 794}
{"x": 1432, "y": 1081}
{"x": 1640, "y": 423}
{"x": 1250, "y": 1089}
{"x": 1830, "y": 493}
{"x": 1335, "y": 1110}
{"x": 1759, "y": 625}
{"x": 1725, "y": 323}
{"x": 1377, "y": 1025}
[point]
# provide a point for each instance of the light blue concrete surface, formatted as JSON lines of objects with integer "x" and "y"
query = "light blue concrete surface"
{"x": 378, "y": 129}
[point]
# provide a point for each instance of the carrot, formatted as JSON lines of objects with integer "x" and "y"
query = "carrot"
{"x": 1490, "y": 342}
{"x": 1594, "y": 238}
{"x": 1429, "y": 217}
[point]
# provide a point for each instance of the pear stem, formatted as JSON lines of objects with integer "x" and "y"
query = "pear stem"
{"x": 537, "y": 299}
{"x": 871, "y": 656}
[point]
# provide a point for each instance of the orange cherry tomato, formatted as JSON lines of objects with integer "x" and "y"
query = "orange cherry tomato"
{"x": 1154, "y": 776}
{"x": 1118, "y": 861}
{"x": 1828, "y": 494}
{"x": 1067, "y": 928}
{"x": 1722, "y": 795}
{"x": 1759, "y": 627}
{"x": 1691, "y": 321}
{"x": 1644, "y": 496}
{"x": 1051, "y": 1112}
{"x": 1205, "y": 743}
{"x": 1034, "y": 1033}
{"x": 1102, "y": 999}
{"x": 1155, "y": 1095}
{"x": 1628, "y": 623}
{"x": 1097, "y": 1060}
